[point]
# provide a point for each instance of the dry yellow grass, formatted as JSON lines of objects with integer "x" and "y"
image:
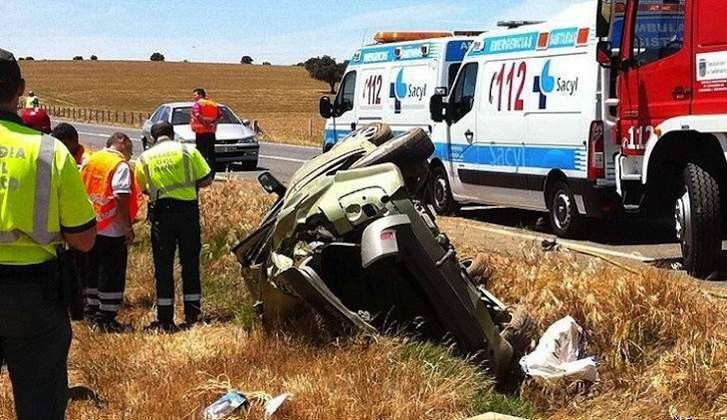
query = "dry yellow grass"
{"x": 661, "y": 340}
{"x": 283, "y": 98}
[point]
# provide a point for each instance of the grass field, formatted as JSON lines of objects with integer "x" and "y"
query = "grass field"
{"x": 661, "y": 342}
{"x": 283, "y": 98}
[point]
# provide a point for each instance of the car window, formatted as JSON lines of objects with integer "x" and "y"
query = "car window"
{"x": 155, "y": 116}
{"x": 181, "y": 116}
{"x": 164, "y": 114}
{"x": 346, "y": 94}
{"x": 659, "y": 30}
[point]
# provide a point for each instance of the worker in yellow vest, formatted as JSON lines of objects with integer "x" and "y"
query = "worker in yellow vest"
{"x": 171, "y": 173}
{"x": 114, "y": 193}
{"x": 42, "y": 204}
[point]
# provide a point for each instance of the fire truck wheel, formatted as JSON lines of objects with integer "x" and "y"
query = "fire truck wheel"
{"x": 565, "y": 220}
{"x": 440, "y": 193}
{"x": 698, "y": 222}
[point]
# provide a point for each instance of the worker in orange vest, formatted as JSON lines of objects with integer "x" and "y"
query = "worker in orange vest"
{"x": 203, "y": 120}
{"x": 110, "y": 184}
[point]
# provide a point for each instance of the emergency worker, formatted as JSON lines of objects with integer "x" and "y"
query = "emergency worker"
{"x": 203, "y": 120}
{"x": 42, "y": 203}
{"x": 68, "y": 135}
{"x": 114, "y": 193}
{"x": 171, "y": 173}
{"x": 36, "y": 118}
{"x": 32, "y": 101}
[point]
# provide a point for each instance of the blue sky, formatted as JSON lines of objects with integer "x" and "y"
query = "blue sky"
{"x": 282, "y": 32}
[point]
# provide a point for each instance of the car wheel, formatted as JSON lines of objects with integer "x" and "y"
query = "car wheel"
{"x": 144, "y": 143}
{"x": 440, "y": 192}
{"x": 698, "y": 222}
{"x": 565, "y": 220}
{"x": 249, "y": 165}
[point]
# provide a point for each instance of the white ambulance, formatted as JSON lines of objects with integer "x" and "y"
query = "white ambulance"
{"x": 527, "y": 124}
{"x": 393, "y": 81}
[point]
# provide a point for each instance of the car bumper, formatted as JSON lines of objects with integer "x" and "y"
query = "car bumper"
{"x": 237, "y": 152}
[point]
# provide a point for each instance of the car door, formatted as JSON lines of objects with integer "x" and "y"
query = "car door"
{"x": 462, "y": 132}
{"x": 658, "y": 46}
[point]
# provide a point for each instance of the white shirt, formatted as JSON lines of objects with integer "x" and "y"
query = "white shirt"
{"x": 120, "y": 184}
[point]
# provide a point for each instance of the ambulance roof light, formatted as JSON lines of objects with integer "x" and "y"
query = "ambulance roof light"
{"x": 389, "y": 37}
{"x": 512, "y": 24}
{"x": 468, "y": 33}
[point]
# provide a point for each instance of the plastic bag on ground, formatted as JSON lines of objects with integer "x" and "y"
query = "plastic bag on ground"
{"x": 225, "y": 406}
{"x": 560, "y": 354}
{"x": 272, "y": 406}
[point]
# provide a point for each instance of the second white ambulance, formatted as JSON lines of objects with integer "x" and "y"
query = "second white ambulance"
{"x": 393, "y": 81}
{"x": 526, "y": 124}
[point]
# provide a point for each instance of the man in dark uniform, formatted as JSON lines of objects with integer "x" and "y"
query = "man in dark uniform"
{"x": 42, "y": 204}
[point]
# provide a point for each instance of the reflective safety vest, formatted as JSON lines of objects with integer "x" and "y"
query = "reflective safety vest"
{"x": 97, "y": 175}
{"x": 39, "y": 189}
{"x": 168, "y": 169}
{"x": 208, "y": 109}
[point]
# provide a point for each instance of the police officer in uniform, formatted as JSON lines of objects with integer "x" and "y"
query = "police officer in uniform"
{"x": 171, "y": 173}
{"x": 42, "y": 203}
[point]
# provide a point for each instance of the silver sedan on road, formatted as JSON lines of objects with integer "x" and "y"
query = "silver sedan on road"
{"x": 236, "y": 141}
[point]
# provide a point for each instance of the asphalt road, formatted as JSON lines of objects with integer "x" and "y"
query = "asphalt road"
{"x": 647, "y": 241}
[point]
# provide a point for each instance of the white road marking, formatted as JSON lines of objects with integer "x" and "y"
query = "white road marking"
{"x": 283, "y": 158}
{"x": 575, "y": 246}
{"x": 84, "y": 133}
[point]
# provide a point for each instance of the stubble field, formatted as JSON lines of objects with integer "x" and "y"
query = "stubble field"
{"x": 660, "y": 340}
{"x": 284, "y": 99}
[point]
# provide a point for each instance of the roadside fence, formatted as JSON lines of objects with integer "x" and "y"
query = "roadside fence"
{"x": 99, "y": 116}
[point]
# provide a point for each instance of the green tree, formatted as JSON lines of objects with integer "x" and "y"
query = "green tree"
{"x": 326, "y": 70}
{"x": 157, "y": 56}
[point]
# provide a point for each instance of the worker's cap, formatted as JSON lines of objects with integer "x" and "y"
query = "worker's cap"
{"x": 9, "y": 69}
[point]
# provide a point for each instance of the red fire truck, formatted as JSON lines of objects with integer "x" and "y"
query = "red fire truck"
{"x": 669, "y": 65}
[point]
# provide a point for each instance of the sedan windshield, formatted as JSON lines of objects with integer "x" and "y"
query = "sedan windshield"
{"x": 181, "y": 116}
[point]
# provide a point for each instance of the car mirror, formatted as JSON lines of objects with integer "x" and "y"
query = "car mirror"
{"x": 604, "y": 53}
{"x": 325, "y": 107}
{"x": 271, "y": 184}
{"x": 436, "y": 107}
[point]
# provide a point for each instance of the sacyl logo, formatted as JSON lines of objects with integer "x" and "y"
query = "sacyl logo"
{"x": 546, "y": 84}
{"x": 401, "y": 91}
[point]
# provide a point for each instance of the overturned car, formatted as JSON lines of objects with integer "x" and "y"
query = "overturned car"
{"x": 347, "y": 241}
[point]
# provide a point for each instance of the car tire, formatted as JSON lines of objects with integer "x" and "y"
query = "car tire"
{"x": 698, "y": 221}
{"x": 440, "y": 192}
{"x": 249, "y": 165}
{"x": 144, "y": 143}
{"x": 565, "y": 220}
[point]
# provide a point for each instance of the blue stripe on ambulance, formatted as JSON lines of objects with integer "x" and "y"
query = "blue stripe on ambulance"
{"x": 565, "y": 158}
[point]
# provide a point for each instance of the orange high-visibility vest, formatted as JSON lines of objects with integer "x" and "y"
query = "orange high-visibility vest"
{"x": 208, "y": 109}
{"x": 97, "y": 176}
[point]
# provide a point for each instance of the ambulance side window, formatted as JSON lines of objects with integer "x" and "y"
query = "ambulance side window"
{"x": 346, "y": 93}
{"x": 463, "y": 93}
{"x": 453, "y": 69}
{"x": 659, "y": 30}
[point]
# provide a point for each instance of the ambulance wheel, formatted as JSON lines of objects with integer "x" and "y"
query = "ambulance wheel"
{"x": 565, "y": 220}
{"x": 698, "y": 222}
{"x": 440, "y": 192}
